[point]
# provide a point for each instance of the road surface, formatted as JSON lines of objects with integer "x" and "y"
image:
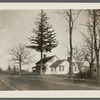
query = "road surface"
{"x": 39, "y": 83}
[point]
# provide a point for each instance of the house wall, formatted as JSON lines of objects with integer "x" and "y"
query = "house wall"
{"x": 85, "y": 69}
{"x": 63, "y": 68}
{"x": 56, "y": 70}
{"x": 50, "y": 62}
{"x": 75, "y": 68}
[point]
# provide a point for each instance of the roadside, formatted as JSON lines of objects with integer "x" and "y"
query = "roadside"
{"x": 5, "y": 83}
{"x": 5, "y": 86}
{"x": 63, "y": 81}
{"x": 42, "y": 82}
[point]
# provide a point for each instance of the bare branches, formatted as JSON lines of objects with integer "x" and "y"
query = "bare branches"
{"x": 70, "y": 16}
{"x": 74, "y": 13}
{"x": 78, "y": 57}
{"x": 20, "y": 54}
{"x": 77, "y": 15}
{"x": 92, "y": 40}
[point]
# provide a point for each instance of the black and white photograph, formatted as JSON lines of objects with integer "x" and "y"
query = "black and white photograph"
{"x": 49, "y": 49}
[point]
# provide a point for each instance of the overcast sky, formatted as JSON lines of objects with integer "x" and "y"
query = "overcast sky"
{"x": 16, "y": 27}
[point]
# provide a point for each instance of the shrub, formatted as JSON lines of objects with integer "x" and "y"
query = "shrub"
{"x": 84, "y": 75}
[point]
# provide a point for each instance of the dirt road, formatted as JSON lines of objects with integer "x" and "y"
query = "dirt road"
{"x": 39, "y": 83}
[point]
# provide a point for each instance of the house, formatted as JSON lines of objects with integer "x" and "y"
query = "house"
{"x": 59, "y": 67}
{"x": 62, "y": 67}
{"x": 46, "y": 61}
{"x": 85, "y": 68}
{"x": 54, "y": 65}
{"x": 94, "y": 71}
{"x": 75, "y": 68}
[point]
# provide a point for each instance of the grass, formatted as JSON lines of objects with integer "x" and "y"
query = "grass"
{"x": 64, "y": 78}
{"x": 60, "y": 79}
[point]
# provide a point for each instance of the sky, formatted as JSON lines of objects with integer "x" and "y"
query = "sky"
{"x": 16, "y": 27}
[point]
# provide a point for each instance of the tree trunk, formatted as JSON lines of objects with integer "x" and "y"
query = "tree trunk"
{"x": 41, "y": 64}
{"x": 20, "y": 68}
{"x": 41, "y": 41}
{"x": 91, "y": 67}
{"x": 97, "y": 63}
{"x": 92, "y": 57}
{"x": 70, "y": 39}
{"x": 95, "y": 43}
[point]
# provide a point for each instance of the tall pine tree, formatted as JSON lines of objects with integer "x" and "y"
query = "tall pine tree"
{"x": 44, "y": 40}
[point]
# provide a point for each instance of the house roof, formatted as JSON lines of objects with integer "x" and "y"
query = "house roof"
{"x": 44, "y": 60}
{"x": 57, "y": 63}
{"x": 38, "y": 66}
{"x": 84, "y": 66}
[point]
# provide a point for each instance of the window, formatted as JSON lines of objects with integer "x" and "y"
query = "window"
{"x": 59, "y": 68}
{"x": 62, "y": 68}
{"x": 75, "y": 68}
{"x": 51, "y": 69}
{"x": 55, "y": 68}
{"x": 94, "y": 70}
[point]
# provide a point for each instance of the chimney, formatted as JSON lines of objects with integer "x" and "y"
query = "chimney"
{"x": 68, "y": 58}
{"x": 44, "y": 56}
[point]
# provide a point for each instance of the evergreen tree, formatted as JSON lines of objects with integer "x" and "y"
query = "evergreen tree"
{"x": 9, "y": 69}
{"x": 44, "y": 40}
{"x": 14, "y": 69}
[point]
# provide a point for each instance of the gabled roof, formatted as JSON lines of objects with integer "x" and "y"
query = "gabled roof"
{"x": 57, "y": 63}
{"x": 84, "y": 66}
{"x": 38, "y": 66}
{"x": 44, "y": 60}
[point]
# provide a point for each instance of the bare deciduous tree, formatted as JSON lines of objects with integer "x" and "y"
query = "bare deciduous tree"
{"x": 95, "y": 23}
{"x": 71, "y": 16}
{"x": 78, "y": 56}
{"x": 88, "y": 47}
{"x": 20, "y": 55}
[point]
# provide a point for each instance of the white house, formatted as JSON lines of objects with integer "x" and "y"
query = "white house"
{"x": 53, "y": 65}
{"x": 59, "y": 67}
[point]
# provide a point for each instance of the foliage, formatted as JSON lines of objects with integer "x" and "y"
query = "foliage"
{"x": 1, "y": 70}
{"x": 44, "y": 40}
{"x": 84, "y": 75}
